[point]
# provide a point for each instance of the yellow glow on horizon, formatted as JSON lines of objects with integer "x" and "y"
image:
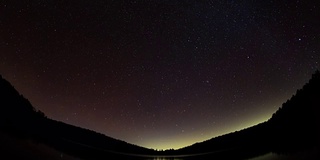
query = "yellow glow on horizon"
{"x": 180, "y": 141}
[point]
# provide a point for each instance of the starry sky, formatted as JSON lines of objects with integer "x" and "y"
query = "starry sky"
{"x": 159, "y": 73}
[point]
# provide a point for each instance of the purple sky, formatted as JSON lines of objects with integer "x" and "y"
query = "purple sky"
{"x": 159, "y": 74}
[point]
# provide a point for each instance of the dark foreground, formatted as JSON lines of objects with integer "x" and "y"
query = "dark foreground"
{"x": 291, "y": 133}
{"x": 17, "y": 148}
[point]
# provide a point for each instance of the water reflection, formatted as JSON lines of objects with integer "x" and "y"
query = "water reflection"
{"x": 165, "y": 158}
{"x": 305, "y": 154}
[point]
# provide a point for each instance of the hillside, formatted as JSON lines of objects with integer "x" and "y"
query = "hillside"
{"x": 20, "y": 119}
{"x": 294, "y": 127}
{"x": 296, "y": 124}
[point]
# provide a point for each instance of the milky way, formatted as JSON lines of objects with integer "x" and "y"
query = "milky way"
{"x": 159, "y": 74}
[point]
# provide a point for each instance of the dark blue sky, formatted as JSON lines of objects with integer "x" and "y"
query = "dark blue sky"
{"x": 160, "y": 74}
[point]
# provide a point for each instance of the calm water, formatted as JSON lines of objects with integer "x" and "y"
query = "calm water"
{"x": 313, "y": 154}
{"x": 164, "y": 158}
{"x": 309, "y": 155}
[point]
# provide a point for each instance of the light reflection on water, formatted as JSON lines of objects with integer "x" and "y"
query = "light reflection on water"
{"x": 267, "y": 156}
{"x": 306, "y": 154}
{"x": 165, "y": 158}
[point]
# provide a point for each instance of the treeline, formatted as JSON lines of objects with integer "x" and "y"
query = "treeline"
{"x": 19, "y": 118}
{"x": 294, "y": 127}
{"x": 17, "y": 115}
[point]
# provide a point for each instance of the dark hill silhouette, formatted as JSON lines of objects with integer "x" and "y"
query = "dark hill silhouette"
{"x": 296, "y": 124}
{"x": 294, "y": 127}
{"x": 17, "y": 113}
{"x": 19, "y": 118}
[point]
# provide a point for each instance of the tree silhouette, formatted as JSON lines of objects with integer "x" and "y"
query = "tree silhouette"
{"x": 296, "y": 123}
{"x": 293, "y": 127}
{"x": 19, "y": 118}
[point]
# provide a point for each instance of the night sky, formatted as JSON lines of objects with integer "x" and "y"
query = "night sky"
{"x": 160, "y": 74}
